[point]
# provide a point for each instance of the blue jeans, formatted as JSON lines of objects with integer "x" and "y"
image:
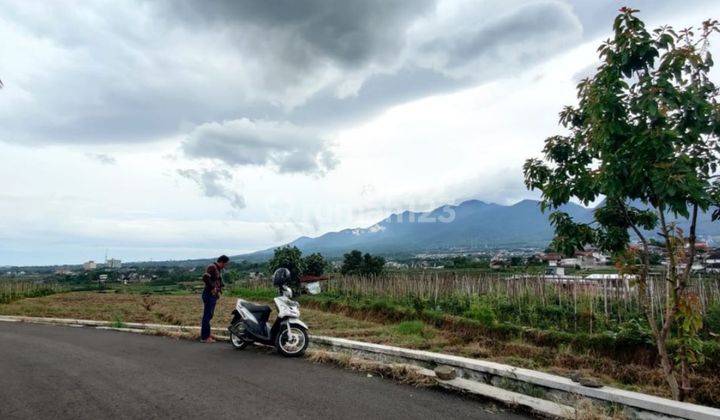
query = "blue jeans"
{"x": 209, "y": 302}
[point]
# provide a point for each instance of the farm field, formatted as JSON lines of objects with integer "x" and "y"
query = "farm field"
{"x": 13, "y": 290}
{"x": 622, "y": 359}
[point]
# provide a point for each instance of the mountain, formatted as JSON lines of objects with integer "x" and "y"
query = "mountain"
{"x": 470, "y": 226}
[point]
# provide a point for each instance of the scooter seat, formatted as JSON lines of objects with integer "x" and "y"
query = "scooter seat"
{"x": 256, "y": 308}
{"x": 261, "y": 312}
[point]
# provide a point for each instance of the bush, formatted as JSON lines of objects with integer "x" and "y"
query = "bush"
{"x": 634, "y": 332}
{"x": 481, "y": 311}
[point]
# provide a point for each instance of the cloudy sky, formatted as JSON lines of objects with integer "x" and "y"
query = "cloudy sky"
{"x": 179, "y": 129}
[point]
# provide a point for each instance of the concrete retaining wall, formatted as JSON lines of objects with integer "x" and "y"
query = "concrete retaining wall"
{"x": 553, "y": 387}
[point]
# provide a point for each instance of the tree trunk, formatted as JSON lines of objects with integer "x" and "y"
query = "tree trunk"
{"x": 672, "y": 307}
{"x": 667, "y": 368}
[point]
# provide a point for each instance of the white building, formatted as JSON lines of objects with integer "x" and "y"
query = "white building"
{"x": 395, "y": 264}
{"x": 90, "y": 265}
{"x": 113, "y": 263}
{"x": 570, "y": 262}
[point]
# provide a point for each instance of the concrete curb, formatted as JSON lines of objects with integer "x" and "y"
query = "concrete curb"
{"x": 481, "y": 370}
{"x": 474, "y": 373}
{"x": 94, "y": 323}
{"x": 510, "y": 398}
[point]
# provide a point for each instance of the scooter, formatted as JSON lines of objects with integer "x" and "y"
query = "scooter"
{"x": 288, "y": 333}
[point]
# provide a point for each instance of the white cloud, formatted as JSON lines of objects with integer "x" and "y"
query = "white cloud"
{"x": 102, "y": 158}
{"x": 212, "y": 183}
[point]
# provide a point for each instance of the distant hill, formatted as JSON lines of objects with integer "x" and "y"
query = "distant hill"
{"x": 475, "y": 226}
{"x": 471, "y": 225}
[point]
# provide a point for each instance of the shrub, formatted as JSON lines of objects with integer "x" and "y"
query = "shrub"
{"x": 634, "y": 332}
{"x": 482, "y": 312}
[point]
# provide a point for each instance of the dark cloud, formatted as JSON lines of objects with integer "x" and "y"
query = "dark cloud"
{"x": 283, "y": 146}
{"x": 476, "y": 46}
{"x": 306, "y": 32}
{"x": 505, "y": 42}
{"x": 119, "y": 73}
{"x": 212, "y": 184}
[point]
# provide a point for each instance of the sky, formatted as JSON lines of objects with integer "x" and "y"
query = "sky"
{"x": 155, "y": 130}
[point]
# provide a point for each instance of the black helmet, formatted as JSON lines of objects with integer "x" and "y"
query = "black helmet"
{"x": 281, "y": 276}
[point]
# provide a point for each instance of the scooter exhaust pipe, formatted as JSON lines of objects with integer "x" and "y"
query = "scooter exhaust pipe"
{"x": 237, "y": 328}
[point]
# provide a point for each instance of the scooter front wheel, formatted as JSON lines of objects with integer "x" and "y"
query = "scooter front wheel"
{"x": 237, "y": 342}
{"x": 292, "y": 342}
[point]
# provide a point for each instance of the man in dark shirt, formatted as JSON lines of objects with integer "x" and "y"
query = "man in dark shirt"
{"x": 211, "y": 293}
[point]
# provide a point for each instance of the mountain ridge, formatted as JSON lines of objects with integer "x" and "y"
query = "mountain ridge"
{"x": 472, "y": 225}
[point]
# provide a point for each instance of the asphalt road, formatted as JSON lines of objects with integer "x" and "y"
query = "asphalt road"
{"x": 52, "y": 372}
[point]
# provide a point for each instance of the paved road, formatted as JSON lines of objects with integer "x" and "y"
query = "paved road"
{"x": 69, "y": 373}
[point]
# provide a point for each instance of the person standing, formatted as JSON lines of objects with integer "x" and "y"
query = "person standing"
{"x": 210, "y": 295}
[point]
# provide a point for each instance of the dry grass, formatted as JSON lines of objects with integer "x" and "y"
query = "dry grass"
{"x": 166, "y": 309}
{"x": 403, "y": 373}
{"x": 176, "y": 310}
{"x": 585, "y": 409}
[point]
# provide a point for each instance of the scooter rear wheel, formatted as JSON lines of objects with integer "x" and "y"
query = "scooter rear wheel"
{"x": 237, "y": 342}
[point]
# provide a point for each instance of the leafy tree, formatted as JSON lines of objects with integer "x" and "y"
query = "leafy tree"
{"x": 315, "y": 264}
{"x": 644, "y": 136}
{"x": 289, "y": 257}
{"x": 352, "y": 263}
{"x": 355, "y": 263}
{"x": 372, "y": 266}
{"x": 516, "y": 261}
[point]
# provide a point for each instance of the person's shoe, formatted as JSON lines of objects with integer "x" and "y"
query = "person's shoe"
{"x": 208, "y": 340}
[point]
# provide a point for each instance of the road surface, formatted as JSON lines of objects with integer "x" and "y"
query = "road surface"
{"x": 53, "y": 372}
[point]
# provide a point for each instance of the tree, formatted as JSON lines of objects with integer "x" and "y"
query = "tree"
{"x": 355, "y": 263}
{"x": 516, "y": 261}
{"x": 372, "y": 266}
{"x": 645, "y": 137}
{"x": 289, "y": 257}
{"x": 352, "y": 263}
{"x": 315, "y": 264}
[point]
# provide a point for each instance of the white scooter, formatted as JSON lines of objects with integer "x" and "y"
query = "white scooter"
{"x": 288, "y": 333}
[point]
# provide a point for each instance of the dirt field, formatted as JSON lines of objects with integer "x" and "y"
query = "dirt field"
{"x": 187, "y": 310}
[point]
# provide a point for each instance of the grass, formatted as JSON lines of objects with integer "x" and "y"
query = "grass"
{"x": 117, "y": 322}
